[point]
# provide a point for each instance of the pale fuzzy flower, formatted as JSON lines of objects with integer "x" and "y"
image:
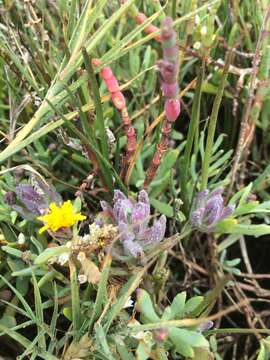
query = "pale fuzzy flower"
{"x": 21, "y": 239}
{"x": 82, "y": 278}
{"x": 85, "y": 238}
{"x": 204, "y": 30}
{"x": 94, "y": 228}
{"x": 220, "y": 61}
{"x": 197, "y": 19}
{"x": 110, "y": 135}
{"x": 37, "y": 101}
{"x": 197, "y": 45}
{"x": 63, "y": 258}
{"x": 69, "y": 244}
{"x": 129, "y": 303}
{"x": 81, "y": 256}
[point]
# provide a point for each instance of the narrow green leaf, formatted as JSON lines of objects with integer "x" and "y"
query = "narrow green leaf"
{"x": 102, "y": 342}
{"x": 21, "y": 298}
{"x": 102, "y": 296}
{"x": 213, "y": 122}
{"x": 75, "y": 300}
{"x": 99, "y": 120}
{"x": 162, "y": 208}
{"x": 39, "y": 313}
{"x": 123, "y": 296}
{"x": 49, "y": 253}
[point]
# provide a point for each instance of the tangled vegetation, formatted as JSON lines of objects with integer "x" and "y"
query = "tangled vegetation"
{"x": 134, "y": 179}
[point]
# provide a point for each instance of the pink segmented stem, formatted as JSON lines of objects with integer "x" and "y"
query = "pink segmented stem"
{"x": 168, "y": 68}
{"x": 119, "y": 102}
{"x": 150, "y": 29}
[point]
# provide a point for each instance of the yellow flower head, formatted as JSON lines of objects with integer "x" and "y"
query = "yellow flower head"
{"x": 60, "y": 217}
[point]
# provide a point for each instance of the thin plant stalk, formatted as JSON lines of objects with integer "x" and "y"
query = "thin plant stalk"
{"x": 193, "y": 126}
{"x": 213, "y": 123}
{"x": 99, "y": 120}
{"x": 174, "y": 5}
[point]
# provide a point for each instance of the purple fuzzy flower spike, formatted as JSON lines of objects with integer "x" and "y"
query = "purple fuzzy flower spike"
{"x": 132, "y": 218}
{"x": 33, "y": 200}
{"x": 209, "y": 209}
{"x": 29, "y": 197}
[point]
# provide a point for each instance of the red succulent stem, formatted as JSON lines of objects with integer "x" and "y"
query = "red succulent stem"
{"x": 119, "y": 102}
{"x": 168, "y": 68}
{"x": 140, "y": 18}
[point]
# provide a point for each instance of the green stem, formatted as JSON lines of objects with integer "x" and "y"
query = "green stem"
{"x": 213, "y": 122}
{"x": 105, "y": 164}
{"x": 99, "y": 120}
{"x": 105, "y": 167}
{"x": 193, "y": 126}
{"x": 174, "y": 4}
{"x": 75, "y": 300}
{"x": 238, "y": 331}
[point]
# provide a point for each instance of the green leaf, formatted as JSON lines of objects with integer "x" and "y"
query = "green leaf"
{"x": 123, "y": 296}
{"x": 102, "y": 296}
{"x": 8, "y": 320}
{"x": 178, "y": 305}
{"x": 241, "y": 194}
{"x": 15, "y": 336}
{"x": 102, "y": 342}
{"x": 232, "y": 263}
{"x": 192, "y": 304}
{"x": 75, "y": 300}
{"x": 181, "y": 346}
{"x": 203, "y": 354}
{"x": 21, "y": 299}
{"x": 209, "y": 300}
{"x": 123, "y": 351}
{"x": 99, "y": 123}
{"x": 54, "y": 318}
{"x": 67, "y": 311}
{"x": 22, "y": 285}
{"x": 264, "y": 353}
{"x": 247, "y": 208}
{"x": 39, "y": 314}
{"x": 49, "y": 253}
{"x": 145, "y": 306}
{"x": 176, "y": 309}
{"x": 12, "y": 251}
{"x": 192, "y": 338}
{"x": 162, "y": 207}
{"x": 229, "y": 227}
{"x": 166, "y": 165}
{"x": 143, "y": 350}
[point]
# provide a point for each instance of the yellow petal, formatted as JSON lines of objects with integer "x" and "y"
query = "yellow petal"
{"x": 44, "y": 228}
{"x": 53, "y": 206}
{"x": 80, "y": 217}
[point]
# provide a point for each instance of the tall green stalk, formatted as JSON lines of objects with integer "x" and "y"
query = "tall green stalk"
{"x": 213, "y": 123}
{"x": 99, "y": 120}
{"x": 193, "y": 126}
{"x": 174, "y": 6}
